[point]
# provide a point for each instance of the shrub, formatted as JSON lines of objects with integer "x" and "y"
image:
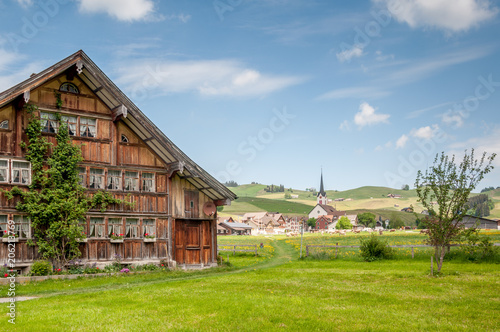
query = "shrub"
{"x": 41, "y": 268}
{"x": 113, "y": 267}
{"x": 475, "y": 247}
{"x": 373, "y": 249}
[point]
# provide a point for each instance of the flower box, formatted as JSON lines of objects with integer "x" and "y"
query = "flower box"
{"x": 148, "y": 239}
{"x": 116, "y": 241}
{"x": 83, "y": 240}
{"x": 6, "y": 239}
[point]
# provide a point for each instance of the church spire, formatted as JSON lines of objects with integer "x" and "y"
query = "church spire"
{"x": 321, "y": 198}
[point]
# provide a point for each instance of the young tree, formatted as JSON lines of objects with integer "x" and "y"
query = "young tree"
{"x": 311, "y": 222}
{"x": 449, "y": 185}
{"x": 55, "y": 201}
{"x": 344, "y": 223}
{"x": 367, "y": 219}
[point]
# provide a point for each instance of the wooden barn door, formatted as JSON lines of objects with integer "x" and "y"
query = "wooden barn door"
{"x": 193, "y": 242}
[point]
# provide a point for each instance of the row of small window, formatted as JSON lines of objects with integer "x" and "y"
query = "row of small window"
{"x": 77, "y": 125}
{"x": 97, "y": 227}
{"x": 117, "y": 179}
{"x": 12, "y": 171}
{"x": 22, "y": 227}
{"x": 115, "y": 227}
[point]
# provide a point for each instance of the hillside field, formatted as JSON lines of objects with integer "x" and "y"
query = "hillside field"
{"x": 253, "y": 198}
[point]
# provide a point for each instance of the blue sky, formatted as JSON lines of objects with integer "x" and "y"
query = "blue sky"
{"x": 272, "y": 90}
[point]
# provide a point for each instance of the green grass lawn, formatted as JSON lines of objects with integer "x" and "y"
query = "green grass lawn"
{"x": 278, "y": 293}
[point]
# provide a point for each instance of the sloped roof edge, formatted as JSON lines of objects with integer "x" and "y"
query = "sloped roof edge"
{"x": 114, "y": 99}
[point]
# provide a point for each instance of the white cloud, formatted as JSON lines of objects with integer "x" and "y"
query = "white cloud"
{"x": 426, "y": 132}
{"x": 379, "y": 148}
{"x": 122, "y": 10}
{"x": 346, "y": 55}
{"x": 368, "y": 117}
{"x": 401, "y": 142}
{"x": 354, "y": 92}
{"x": 448, "y": 15}
{"x": 206, "y": 77}
{"x": 453, "y": 119}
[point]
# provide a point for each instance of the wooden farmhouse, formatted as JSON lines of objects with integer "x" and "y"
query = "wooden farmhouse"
{"x": 125, "y": 154}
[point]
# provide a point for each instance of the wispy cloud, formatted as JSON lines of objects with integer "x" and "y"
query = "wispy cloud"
{"x": 489, "y": 143}
{"x": 361, "y": 92}
{"x": 25, "y": 3}
{"x": 417, "y": 113}
{"x": 425, "y": 68}
{"x": 205, "y": 77}
{"x": 12, "y": 71}
{"x": 367, "y": 116}
{"x": 448, "y": 15}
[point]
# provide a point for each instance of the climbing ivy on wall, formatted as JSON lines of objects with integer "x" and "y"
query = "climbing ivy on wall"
{"x": 55, "y": 201}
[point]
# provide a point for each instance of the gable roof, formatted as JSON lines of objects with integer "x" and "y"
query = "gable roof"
{"x": 133, "y": 117}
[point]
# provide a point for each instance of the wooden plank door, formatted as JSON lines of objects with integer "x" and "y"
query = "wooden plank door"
{"x": 179, "y": 242}
{"x": 193, "y": 243}
{"x": 207, "y": 242}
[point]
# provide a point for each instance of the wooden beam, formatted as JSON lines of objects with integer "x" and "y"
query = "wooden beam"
{"x": 97, "y": 89}
{"x": 175, "y": 167}
{"x": 118, "y": 112}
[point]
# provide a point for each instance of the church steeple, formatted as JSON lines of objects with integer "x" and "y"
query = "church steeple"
{"x": 321, "y": 198}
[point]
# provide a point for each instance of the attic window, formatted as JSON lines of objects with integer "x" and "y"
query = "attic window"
{"x": 124, "y": 139}
{"x": 69, "y": 87}
{"x": 4, "y": 124}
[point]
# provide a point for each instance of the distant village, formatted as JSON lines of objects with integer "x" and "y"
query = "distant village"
{"x": 326, "y": 216}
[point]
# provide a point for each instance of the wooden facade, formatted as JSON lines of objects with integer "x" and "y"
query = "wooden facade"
{"x": 173, "y": 216}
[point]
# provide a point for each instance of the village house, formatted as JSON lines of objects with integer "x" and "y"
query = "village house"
{"x": 481, "y": 223}
{"x": 261, "y": 220}
{"x": 124, "y": 154}
{"x": 236, "y": 228}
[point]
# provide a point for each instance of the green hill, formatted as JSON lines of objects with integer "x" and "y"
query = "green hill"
{"x": 253, "y": 204}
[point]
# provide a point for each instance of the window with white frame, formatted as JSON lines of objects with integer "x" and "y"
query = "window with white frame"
{"x": 22, "y": 227}
{"x": 97, "y": 228}
{"x": 88, "y": 127}
{"x": 115, "y": 227}
{"x": 82, "y": 176}
{"x": 71, "y": 121}
{"x": 4, "y": 171}
{"x": 21, "y": 172}
{"x": 48, "y": 121}
{"x": 149, "y": 227}
{"x": 131, "y": 181}
{"x": 131, "y": 228}
{"x": 148, "y": 182}
{"x": 114, "y": 179}
{"x": 96, "y": 179}
{"x": 3, "y": 225}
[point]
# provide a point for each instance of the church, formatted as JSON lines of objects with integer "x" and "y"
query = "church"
{"x": 321, "y": 208}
